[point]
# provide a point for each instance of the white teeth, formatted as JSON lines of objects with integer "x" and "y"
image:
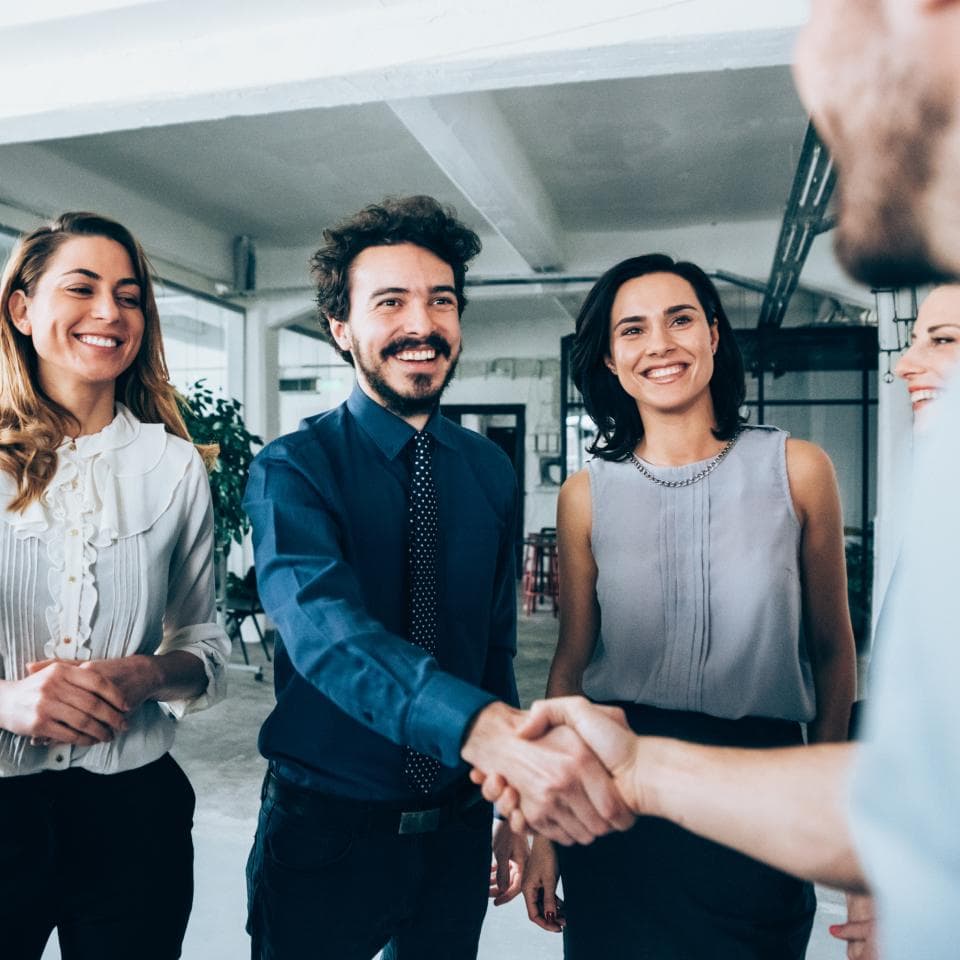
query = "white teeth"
{"x": 663, "y": 372}
{"x": 417, "y": 354}
{"x": 919, "y": 395}
{"x": 98, "y": 341}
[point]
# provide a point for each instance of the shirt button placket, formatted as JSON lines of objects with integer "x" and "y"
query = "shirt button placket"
{"x": 67, "y": 648}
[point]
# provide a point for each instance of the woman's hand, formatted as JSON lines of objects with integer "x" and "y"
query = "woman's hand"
{"x": 137, "y": 677}
{"x": 860, "y": 930}
{"x": 510, "y": 853}
{"x": 540, "y": 879}
{"x": 59, "y": 702}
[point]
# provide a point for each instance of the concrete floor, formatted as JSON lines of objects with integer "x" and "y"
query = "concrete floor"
{"x": 217, "y": 749}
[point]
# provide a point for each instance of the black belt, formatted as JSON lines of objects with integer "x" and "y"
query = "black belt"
{"x": 363, "y": 816}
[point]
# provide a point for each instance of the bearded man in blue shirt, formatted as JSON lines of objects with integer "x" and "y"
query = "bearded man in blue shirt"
{"x": 384, "y": 539}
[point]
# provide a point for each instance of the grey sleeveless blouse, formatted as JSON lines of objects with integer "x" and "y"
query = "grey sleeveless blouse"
{"x": 699, "y": 586}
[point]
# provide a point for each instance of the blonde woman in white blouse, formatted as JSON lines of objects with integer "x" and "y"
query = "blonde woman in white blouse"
{"x": 107, "y": 625}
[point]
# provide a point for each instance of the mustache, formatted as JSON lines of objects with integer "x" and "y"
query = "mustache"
{"x": 434, "y": 340}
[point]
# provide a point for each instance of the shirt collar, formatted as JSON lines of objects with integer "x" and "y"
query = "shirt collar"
{"x": 120, "y": 432}
{"x": 388, "y": 431}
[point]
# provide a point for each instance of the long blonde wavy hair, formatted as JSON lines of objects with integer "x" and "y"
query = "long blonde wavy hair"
{"x": 32, "y": 426}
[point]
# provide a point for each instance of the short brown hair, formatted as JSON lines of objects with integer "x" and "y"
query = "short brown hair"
{"x": 420, "y": 220}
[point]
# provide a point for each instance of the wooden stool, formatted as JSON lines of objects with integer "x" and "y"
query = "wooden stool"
{"x": 541, "y": 581}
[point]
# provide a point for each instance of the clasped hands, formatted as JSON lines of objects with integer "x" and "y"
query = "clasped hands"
{"x": 566, "y": 770}
{"x": 79, "y": 702}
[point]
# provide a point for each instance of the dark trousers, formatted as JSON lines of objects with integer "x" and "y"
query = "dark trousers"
{"x": 107, "y": 860}
{"x": 657, "y": 892}
{"x": 334, "y": 878}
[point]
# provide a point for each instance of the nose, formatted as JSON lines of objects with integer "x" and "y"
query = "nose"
{"x": 104, "y": 306}
{"x": 659, "y": 342}
{"x": 416, "y": 318}
{"x": 908, "y": 365}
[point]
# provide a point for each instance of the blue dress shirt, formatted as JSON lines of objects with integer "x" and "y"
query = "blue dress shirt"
{"x": 329, "y": 511}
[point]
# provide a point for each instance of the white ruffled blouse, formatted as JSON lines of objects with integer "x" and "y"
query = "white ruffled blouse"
{"x": 116, "y": 558}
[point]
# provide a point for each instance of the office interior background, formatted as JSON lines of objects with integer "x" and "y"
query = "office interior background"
{"x": 227, "y": 135}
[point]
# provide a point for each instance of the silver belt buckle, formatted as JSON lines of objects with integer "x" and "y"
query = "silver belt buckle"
{"x": 419, "y": 821}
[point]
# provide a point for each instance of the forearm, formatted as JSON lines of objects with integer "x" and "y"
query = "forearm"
{"x": 786, "y": 807}
{"x": 177, "y": 675}
{"x": 564, "y": 681}
{"x": 836, "y": 687}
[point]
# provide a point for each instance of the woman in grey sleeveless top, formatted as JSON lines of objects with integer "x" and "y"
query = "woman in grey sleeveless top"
{"x": 702, "y": 590}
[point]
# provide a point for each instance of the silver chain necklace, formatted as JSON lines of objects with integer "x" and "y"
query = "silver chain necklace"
{"x": 697, "y": 477}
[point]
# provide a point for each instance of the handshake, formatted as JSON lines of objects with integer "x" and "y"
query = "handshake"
{"x": 571, "y": 771}
{"x": 568, "y": 770}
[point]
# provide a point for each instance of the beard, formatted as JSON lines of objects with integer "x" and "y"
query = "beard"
{"x": 884, "y": 186}
{"x": 421, "y": 394}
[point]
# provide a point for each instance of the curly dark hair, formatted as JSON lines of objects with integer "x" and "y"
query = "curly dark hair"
{"x": 612, "y": 409}
{"x": 419, "y": 219}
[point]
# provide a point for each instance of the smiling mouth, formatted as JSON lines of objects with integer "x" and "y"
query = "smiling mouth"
{"x": 95, "y": 341}
{"x": 665, "y": 373}
{"x": 923, "y": 396}
{"x": 417, "y": 356}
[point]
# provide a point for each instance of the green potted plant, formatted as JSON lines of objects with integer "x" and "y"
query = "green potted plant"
{"x": 218, "y": 420}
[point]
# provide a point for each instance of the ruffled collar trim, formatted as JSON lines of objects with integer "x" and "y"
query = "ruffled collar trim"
{"x": 122, "y": 430}
{"x": 149, "y": 462}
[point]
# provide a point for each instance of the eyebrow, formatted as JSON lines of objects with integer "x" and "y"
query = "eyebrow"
{"x": 669, "y": 312}
{"x": 381, "y": 291}
{"x": 126, "y": 281}
{"x": 939, "y": 326}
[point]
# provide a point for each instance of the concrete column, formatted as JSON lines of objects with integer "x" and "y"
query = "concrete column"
{"x": 894, "y": 439}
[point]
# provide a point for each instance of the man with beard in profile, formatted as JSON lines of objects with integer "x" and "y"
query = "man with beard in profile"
{"x": 881, "y": 79}
{"x": 384, "y": 539}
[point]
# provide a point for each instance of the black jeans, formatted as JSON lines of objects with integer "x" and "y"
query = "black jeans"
{"x": 332, "y": 878}
{"x": 658, "y": 892}
{"x": 107, "y": 860}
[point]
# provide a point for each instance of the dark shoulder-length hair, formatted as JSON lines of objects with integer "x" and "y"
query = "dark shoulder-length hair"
{"x": 612, "y": 409}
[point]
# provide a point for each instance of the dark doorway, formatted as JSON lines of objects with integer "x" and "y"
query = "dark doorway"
{"x": 505, "y": 425}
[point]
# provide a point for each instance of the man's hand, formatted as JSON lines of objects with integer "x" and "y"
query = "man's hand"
{"x": 562, "y": 790}
{"x": 510, "y": 853}
{"x": 603, "y": 729}
{"x": 58, "y": 702}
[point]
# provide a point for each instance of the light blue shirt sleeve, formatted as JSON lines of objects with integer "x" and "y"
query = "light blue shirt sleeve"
{"x": 905, "y": 802}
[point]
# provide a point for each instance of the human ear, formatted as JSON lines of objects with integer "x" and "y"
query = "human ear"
{"x": 18, "y": 312}
{"x": 609, "y": 364}
{"x": 714, "y": 335}
{"x": 340, "y": 331}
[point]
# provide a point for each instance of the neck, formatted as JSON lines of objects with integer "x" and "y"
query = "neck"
{"x": 672, "y": 440}
{"x": 416, "y": 420}
{"x": 91, "y": 405}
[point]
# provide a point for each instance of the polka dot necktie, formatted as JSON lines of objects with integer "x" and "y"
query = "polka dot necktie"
{"x": 420, "y": 770}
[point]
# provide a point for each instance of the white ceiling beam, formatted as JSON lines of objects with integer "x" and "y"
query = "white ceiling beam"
{"x": 169, "y": 61}
{"x": 470, "y": 141}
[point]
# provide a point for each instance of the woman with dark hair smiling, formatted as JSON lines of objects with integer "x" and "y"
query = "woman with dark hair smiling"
{"x": 702, "y": 589}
